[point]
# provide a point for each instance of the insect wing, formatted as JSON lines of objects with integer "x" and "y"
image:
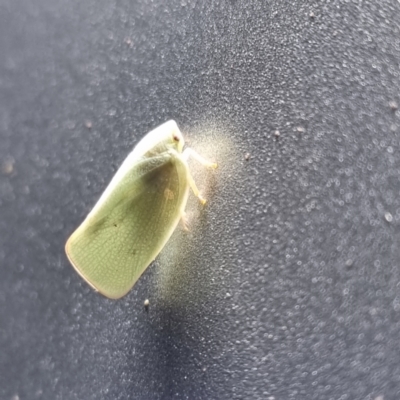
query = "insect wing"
{"x": 124, "y": 234}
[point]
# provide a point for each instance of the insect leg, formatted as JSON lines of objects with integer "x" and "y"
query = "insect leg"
{"x": 191, "y": 153}
{"x": 184, "y": 220}
{"x": 195, "y": 189}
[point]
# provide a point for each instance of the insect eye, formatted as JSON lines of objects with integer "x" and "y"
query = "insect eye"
{"x": 176, "y": 138}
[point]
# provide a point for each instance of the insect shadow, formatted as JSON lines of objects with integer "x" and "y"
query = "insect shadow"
{"x": 185, "y": 315}
{"x": 188, "y": 315}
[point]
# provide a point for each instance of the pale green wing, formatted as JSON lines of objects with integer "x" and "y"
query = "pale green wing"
{"x": 117, "y": 242}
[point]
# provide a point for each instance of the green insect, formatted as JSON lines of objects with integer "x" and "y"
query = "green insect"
{"x": 136, "y": 214}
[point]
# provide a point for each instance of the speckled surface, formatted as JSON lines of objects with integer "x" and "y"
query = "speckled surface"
{"x": 288, "y": 285}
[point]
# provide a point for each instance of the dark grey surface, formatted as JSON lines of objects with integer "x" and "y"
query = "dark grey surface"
{"x": 289, "y": 286}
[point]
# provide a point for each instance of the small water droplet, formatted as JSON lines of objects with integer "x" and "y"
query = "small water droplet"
{"x": 388, "y": 217}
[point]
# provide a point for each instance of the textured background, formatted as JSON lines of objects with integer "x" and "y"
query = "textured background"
{"x": 288, "y": 284}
